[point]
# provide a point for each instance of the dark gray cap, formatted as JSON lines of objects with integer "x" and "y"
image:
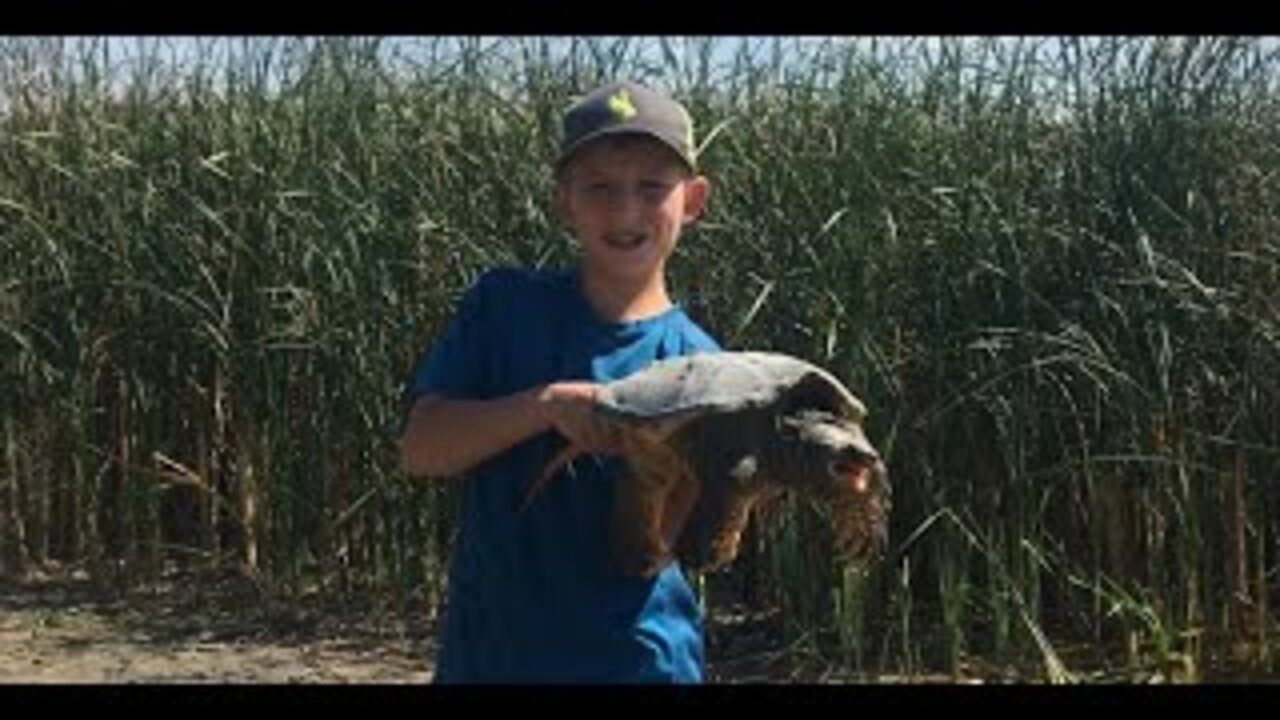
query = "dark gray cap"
{"x": 626, "y": 107}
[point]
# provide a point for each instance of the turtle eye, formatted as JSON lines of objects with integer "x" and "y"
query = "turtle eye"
{"x": 845, "y": 467}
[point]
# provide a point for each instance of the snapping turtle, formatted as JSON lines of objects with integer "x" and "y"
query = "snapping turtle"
{"x": 708, "y": 437}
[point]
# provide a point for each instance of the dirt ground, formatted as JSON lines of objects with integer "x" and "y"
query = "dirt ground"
{"x": 63, "y": 631}
{"x": 58, "y": 630}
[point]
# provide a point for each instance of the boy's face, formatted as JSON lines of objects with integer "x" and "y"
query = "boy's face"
{"x": 626, "y": 199}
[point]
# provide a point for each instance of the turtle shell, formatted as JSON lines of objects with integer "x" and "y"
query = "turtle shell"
{"x": 726, "y": 382}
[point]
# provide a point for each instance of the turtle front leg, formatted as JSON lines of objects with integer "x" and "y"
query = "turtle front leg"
{"x": 714, "y": 532}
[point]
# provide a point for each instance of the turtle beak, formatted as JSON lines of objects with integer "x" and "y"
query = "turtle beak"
{"x": 856, "y": 463}
{"x": 854, "y": 471}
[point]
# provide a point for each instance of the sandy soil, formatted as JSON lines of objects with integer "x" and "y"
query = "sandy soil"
{"x": 61, "y": 630}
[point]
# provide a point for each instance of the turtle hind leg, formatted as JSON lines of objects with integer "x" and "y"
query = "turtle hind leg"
{"x": 637, "y": 550}
{"x": 649, "y": 504}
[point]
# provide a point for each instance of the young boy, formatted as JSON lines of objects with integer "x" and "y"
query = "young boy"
{"x": 531, "y": 597}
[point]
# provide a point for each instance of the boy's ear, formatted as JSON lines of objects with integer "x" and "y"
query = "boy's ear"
{"x": 696, "y": 190}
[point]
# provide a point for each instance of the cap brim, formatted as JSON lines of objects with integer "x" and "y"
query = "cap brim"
{"x": 617, "y": 130}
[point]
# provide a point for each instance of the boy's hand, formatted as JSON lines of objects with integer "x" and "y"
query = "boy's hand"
{"x": 567, "y": 407}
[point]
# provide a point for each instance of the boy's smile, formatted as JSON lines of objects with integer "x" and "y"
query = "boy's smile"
{"x": 625, "y": 241}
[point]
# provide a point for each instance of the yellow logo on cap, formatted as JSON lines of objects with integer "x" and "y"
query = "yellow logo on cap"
{"x": 620, "y": 105}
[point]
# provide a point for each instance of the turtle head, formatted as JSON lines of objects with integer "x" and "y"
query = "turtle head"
{"x": 828, "y": 460}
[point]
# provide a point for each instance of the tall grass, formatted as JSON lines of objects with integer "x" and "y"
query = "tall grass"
{"x": 1049, "y": 266}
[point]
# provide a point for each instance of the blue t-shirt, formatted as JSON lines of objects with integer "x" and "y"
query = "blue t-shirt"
{"x": 531, "y": 597}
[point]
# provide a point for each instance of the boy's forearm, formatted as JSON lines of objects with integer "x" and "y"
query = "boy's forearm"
{"x": 445, "y": 437}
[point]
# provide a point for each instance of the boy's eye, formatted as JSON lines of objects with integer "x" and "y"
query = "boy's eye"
{"x": 655, "y": 189}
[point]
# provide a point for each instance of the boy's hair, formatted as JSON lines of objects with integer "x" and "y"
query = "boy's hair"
{"x": 627, "y": 108}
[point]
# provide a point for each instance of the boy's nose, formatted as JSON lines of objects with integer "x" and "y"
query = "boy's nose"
{"x": 625, "y": 206}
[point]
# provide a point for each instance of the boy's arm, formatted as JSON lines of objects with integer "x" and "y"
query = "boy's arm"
{"x": 445, "y": 436}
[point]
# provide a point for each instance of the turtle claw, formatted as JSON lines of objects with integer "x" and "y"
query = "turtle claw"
{"x": 549, "y": 471}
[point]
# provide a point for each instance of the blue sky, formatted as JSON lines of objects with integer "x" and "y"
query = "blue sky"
{"x": 794, "y": 51}
{"x": 723, "y": 49}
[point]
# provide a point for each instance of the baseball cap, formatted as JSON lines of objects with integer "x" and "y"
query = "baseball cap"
{"x": 626, "y": 107}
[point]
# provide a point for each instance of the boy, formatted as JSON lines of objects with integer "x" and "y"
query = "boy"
{"x": 531, "y": 597}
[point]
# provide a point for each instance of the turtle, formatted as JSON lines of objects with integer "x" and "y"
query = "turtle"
{"x": 710, "y": 437}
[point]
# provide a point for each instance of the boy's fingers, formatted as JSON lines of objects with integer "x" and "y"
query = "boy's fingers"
{"x": 581, "y": 426}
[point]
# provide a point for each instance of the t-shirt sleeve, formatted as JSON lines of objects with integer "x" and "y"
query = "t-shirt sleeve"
{"x": 454, "y": 365}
